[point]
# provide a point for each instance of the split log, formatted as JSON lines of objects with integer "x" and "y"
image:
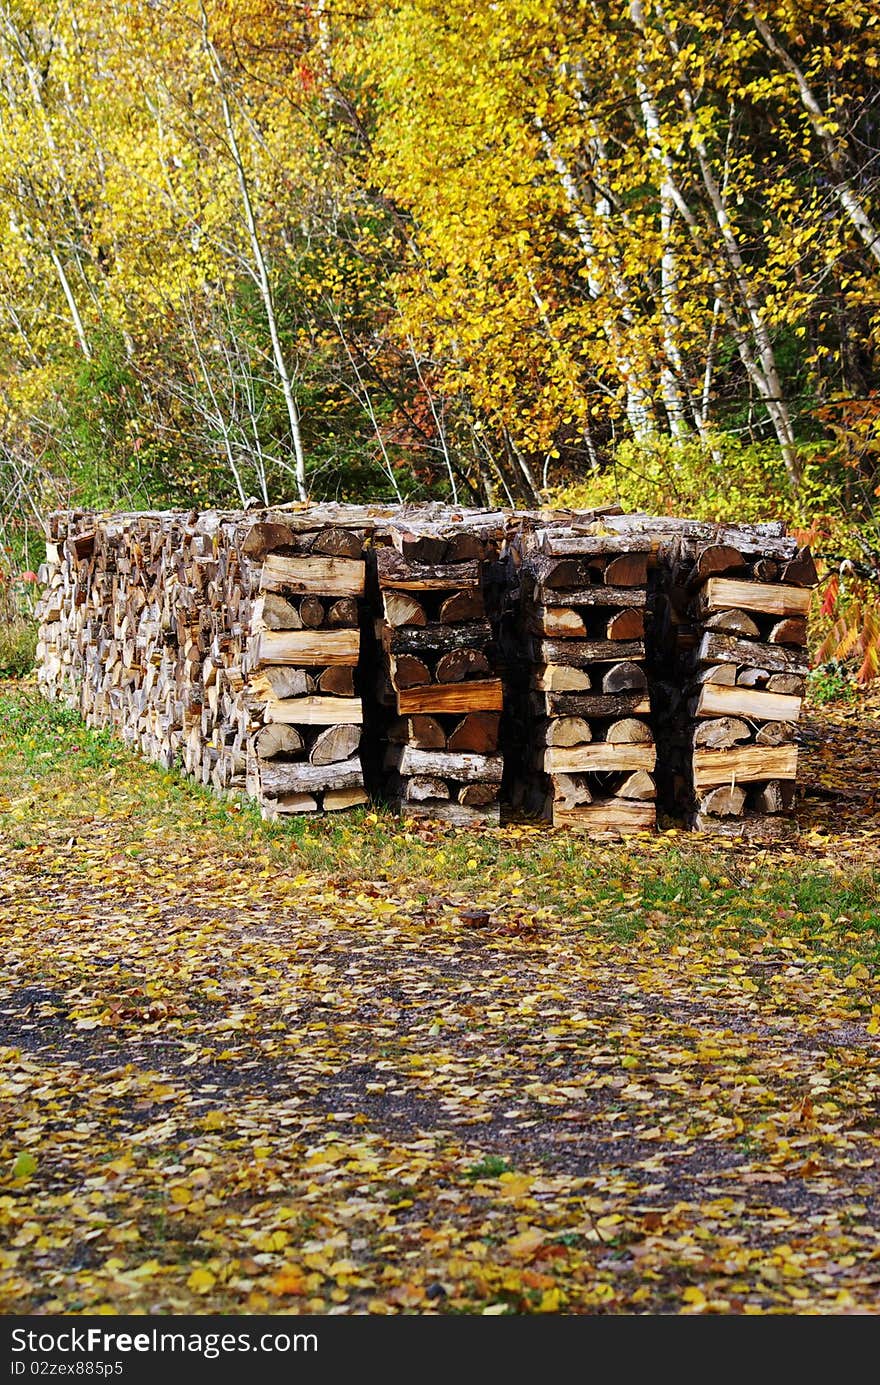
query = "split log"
{"x": 567, "y": 731}
{"x": 455, "y": 814}
{"x": 776, "y": 733}
{"x": 588, "y": 651}
{"x": 472, "y": 696}
{"x": 792, "y": 630}
{"x": 403, "y": 609}
{"x": 590, "y": 704}
{"x": 424, "y": 732}
{"x": 593, "y": 596}
{"x": 722, "y": 733}
{"x": 624, "y": 677}
{"x": 460, "y": 664}
{"x": 335, "y": 800}
{"x": 598, "y": 757}
{"x": 423, "y": 786}
{"x": 609, "y": 815}
{"x": 409, "y": 672}
{"x": 726, "y": 802}
{"x": 557, "y": 621}
{"x": 478, "y": 731}
{"x": 311, "y": 612}
{"x": 419, "y": 548}
{"x": 720, "y": 701}
{"x": 329, "y": 576}
{"x": 767, "y": 598}
{"x": 747, "y": 763}
{"x": 338, "y": 680}
{"x": 800, "y": 571}
{"x": 461, "y": 768}
{"x": 277, "y": 740}
{"x": 434, "y": 638}
{"x": 724, "y": 649}
{"x": 338, "y": 543}
{"x": 277, "y": 778}
{"x": 718, "y": 673}
{"x": 629, "y": 570}
{"x": 280, "y": 682}
{"x": 478, "y": 795}
{"x": 787, "y": 683}
{"x": 753, "y": 677}
{"x": 279, "y": 614}
{"x": 734, "y": 623}
{"x": 309, "y": 647}
{"x": 639, "y": 786}
{"x": 766, "y": 570}
{"x": 775, "y": 797}
{"x": 315, "y": 711}
{"x": 628, "y": 624}
{"x": 395, "y": 572}
{"x": 263, "y": 536}
{"x": 571, "y": 790}
{"x": 344, "y": 612}
{"x": 559, "y": 678}
{"x": 715, "y": 559}
{"x": 463, "y": 606}
{"x": 629, "y": 731}
{"x": 337, "y": 743}
{"x": 291, "y": 803}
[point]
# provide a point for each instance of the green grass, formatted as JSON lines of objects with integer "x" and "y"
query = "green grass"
{"x": 663, "y": 889}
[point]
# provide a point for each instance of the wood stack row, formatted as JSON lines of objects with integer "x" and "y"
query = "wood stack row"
{"x": 581, "y": 598}
{"x": 748, "y": 679}
{"x": 438, "y": 677}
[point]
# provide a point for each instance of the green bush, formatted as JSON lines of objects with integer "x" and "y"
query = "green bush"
{"x": 18, "y": 647}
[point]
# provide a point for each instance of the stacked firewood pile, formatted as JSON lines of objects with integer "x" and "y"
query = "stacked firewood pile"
{"x": 736, "y": 606}
{"x": 438, "y": 677}
{"x": 314, "y": 656}
{"x": 580, "y": 597}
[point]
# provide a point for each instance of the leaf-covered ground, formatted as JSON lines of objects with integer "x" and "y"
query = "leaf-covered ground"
{"x": 338, "y": 1067}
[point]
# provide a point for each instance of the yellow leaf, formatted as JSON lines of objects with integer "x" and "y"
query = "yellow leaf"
{"x": 526, "y": 1243}
{"x": 201, "y": 1280}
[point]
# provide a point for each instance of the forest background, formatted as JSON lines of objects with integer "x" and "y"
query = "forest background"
{"x": 506, "y": 253}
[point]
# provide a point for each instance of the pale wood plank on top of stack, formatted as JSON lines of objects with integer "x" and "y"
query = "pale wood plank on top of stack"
{"x": 441, "y": 758}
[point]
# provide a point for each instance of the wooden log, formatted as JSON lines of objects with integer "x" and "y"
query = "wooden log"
{"x": 311, "y": 612}
{"x": 724, "y": 802}
{"x": 461, "y": 768}
{"x": 344, "y": 612}
{"x": 463, "y": 546}
{"x": 725, "y": 649}
{"x": 309, "y": 647}
{"x": 766, "y": 570}
{"x": 800, "y": 570}
{"x": 767, "y": 598}
{"x": 598, "y": 757}
{"x": 593, "y": 596}
{"x": 567, "y": 731}
{"x": 315, "y": 711}
{"x": 786, "y": 683}
{"x": 424, "y": 732}
{"x": 477, "y": 731}
{"x": 279, "y": 682}
{"x": 327, "y": 576}
{"x": 557, "y": 621}
{"x": 559, "y": 678}
{"x": 434, "y": 638}
{"x": 639, "y": 786}
{"x": 472, "y": 696}
{"x": 264, "y": 536}
{"x": 463, "y": 606}
{"x": 746, "y": 828}
{"x": 624, "y": 677}
{"x": 278, "y": 614}
{"x": 714, "y": 559}
{"x": 752, "y": 677}
{"x": 629, "y": 570}
{"x": 722, "y": 701}
{"x": 338, "y": 681}
{"x": 338, "y": 742}
{"x": 275, "y": 740}
{"x": 279, "y": 778}
{"x": 460, "y": 664}
{"x": 478, "y": 795}
{"x": 292, "y": 803}
{"x": 722, "y": 732}
{"x": 747, "y": 763}
{"x": 608, "y": 815}
{"x": 403, "y": 609}
{"x": 455, "y": 814}
{"x": 338, "y": 543}
{"x": 590, "y": 704}
{"x": 424, "y": 786}
{"x": 776, "y": 797}
{"x": 718, "y": 673}
{"x": 792, "y": 630}
{"x": 409, "y": 672}
{"x": 629, "y": 731}
{"x": 734, "y": 623}
{"x": 335, "y": 800}
{"x": 395, "y": 572}
{"x": 628, "y": 624}
{"x": 776, "y": 733}
{"x": 419, "y": 548}
{"x": 571, "y": 790}
{"x": 588, "y": 651}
